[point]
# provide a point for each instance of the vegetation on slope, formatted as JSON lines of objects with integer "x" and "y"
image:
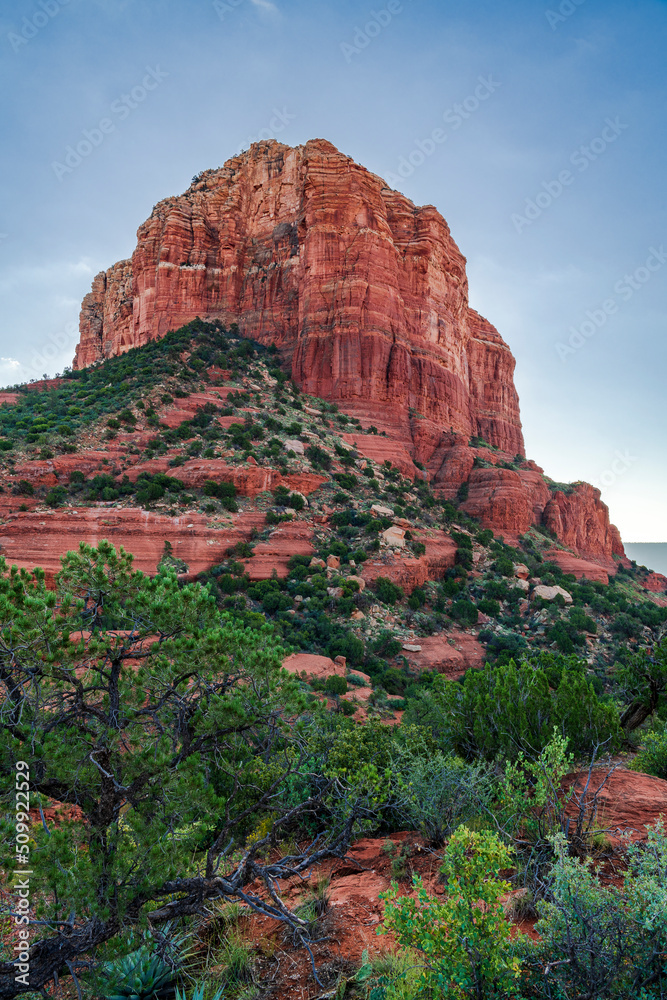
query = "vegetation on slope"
{"x": 197, "y": 775}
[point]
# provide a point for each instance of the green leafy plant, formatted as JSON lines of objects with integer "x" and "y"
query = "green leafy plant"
{"x": 652, "y": 756}
{"x": 464, "y": 939}
{"x": 509, "y": 709}
{"x": 435, "y": 793}
{"x": 387, "y": 591}
{"x": 201, "y": 991}
{"x": 174, "y": 720}
{"x": 604, "y": 941}
{"x": 143, "y": 974}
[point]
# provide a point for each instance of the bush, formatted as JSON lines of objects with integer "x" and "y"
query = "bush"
{"x": 504, "y": 566}
{"x": 386, "y": 644}
{"x": 605, "y": 941}
{"x": 489, "y": 607}
{"x": 56, "y": 496}
{"x": 652, "y": 757}
{"x": 436, "y": 793}
{"x": 317, "y": 457}
{"x": 464, "y": 612}
{"x": 387, "y": 591}
{"x": 504, "y": 710}
{"x": 346, "y": 480}
{"x": 464, "y": 557}
{"x": 625, "y": 626}
{"x": 464, "y": 938}
{"x": 417, "y": 599}
{"x": 335, "y": 685}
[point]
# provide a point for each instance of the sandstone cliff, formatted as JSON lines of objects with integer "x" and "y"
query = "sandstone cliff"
{"x": 364, "y": 291}
{"x": 366, "y": 296}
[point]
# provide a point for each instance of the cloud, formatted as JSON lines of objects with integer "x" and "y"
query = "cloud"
{"x": 51, "y": 274}
{"x": 265, "y": 5}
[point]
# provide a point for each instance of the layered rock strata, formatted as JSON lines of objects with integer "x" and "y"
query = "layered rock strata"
{"x": 365, "y": 292}
{"x": 366, "y": 296}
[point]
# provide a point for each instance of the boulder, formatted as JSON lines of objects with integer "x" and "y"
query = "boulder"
{"x": 551, "y": 593}
{"x": 394, "y": 537}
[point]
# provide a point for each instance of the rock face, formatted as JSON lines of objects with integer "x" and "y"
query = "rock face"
{"x": 40, "y": 539}
{"x": 306, "y": 249}
{"x": 366, "y": 295}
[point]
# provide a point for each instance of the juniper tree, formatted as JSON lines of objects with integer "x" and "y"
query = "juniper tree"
{"x": 169, "y": 731}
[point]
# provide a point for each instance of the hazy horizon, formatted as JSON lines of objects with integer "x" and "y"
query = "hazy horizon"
{"x": 550, "y": 175}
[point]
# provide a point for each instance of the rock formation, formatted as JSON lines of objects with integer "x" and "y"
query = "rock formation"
{"x": 366, "y": 296}
{"x": 304, "y": 248}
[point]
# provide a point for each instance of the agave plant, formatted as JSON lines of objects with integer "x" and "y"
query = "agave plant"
{"x": 199, "y": 993}
{"x": 141, "y": 975}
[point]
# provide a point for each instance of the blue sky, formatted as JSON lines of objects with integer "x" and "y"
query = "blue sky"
{"x": 553, "y": 183}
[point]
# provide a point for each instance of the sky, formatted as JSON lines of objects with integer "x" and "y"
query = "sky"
{"x": 548, "y": 166}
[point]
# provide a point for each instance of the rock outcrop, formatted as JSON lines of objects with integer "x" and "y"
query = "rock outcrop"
{"x": 366, "y": 296}
{"x": 365, "y": 292}
{"x": 40, "y": 539}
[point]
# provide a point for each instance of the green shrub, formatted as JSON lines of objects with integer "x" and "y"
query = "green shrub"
{"x": 504, "y": 566}
{"x": 317, "y": 457}
{"x": 605, "y": 941}
{"x": 436, "y": 793}
{"x": 335, "y": 685}
{"x": 464, "y": 938}
{"x": 465, "y": 612}
{"x": 386, "y": 644}
{"x": 566, "y": 636}
{"x": 222, "y": 490}
{"x": 625, "y": 626}
{"x": 202, "y": 991}
{"x": 387, "y": 591}
{"x": 652, "y": 756}
{"x": 508, "y": 709}
{"x": 417, "y": 599}
{"x": 141, "y": 975}
{"x": 489, "y": 607}
{"x": 346, "y": 480}
{"x": 56, "y": 496}
{"x": 582, "y": 621}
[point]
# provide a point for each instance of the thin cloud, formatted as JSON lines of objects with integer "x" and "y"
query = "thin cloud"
{"x": 266, "y": 5}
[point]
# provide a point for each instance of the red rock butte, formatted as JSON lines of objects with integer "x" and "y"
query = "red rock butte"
{"x": 366, "y": 295}
{"x": 308, "y": 250}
